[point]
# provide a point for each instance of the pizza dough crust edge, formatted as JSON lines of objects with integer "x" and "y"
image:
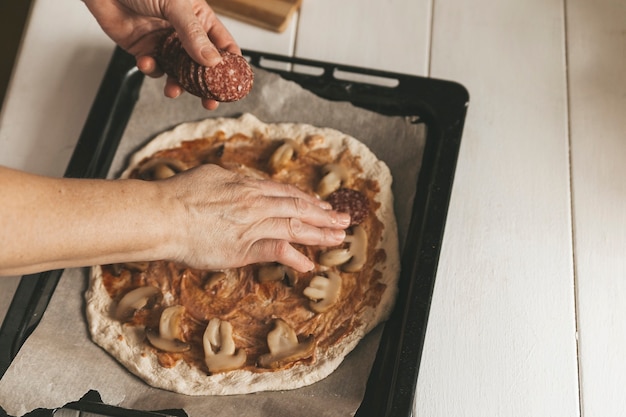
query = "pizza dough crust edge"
{"x": 126, "y": 343}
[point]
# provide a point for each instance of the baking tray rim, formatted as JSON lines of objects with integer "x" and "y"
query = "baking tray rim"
{"x": 441, "y": 104}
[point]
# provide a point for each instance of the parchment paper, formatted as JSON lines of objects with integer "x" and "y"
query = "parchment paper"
{"x": 59, "y": 363}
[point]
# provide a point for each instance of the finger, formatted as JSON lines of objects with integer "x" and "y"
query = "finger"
{"x": 277, "y": 189}
{"x": 209, "y": 104}
{"x": 221, "y": 37}
{"x": 192, "y": 34}
{"x": 148, "y": 66}
{"x": 296, "y": 231}
{"x": 172, "y": 89}
{"x": 306, "y": 211}
{"x": 282, "y": 252}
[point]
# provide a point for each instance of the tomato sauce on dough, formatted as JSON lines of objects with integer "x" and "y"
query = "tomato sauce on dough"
{"x": 237, "y": 295}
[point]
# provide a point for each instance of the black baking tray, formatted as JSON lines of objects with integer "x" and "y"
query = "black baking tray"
{"x": 440, "y": 104}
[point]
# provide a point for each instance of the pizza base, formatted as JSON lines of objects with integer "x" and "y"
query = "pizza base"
{"x": 126, "y": 343}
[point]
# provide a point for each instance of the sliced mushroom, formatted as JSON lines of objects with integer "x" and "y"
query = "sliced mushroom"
{"x": 314, "y": 140}
{"x": 134, "y": 300}
{"x": 285, "y": 347}
{"x": 281, "y": 157}
{"x": 271, "y": 272}
{"x": 220, "y": 353}
{"x": 130, "y": 266}
{"x": 335, "y": 257}
{"x": 170, "y": 335}
{"x": 358, "y": 249}
{"x": 276, "y": 272}
{"x": 323, "y": 291}
{"x": 214, "y": 279}
{"x": 334, "y": 176}
{"x": 166, "y": 345}
{"x": 211, "y": 338}
{"x": 136, "y": 266}
{"x": 353, "y": 257}
{"x": 292, "y": 277}
{"x": 161, "y": 168}
{"x": 170, "y": 322}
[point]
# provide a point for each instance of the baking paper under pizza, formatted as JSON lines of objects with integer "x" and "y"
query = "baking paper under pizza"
{"x": 263, "y": 326}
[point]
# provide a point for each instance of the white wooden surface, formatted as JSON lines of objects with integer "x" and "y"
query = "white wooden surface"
{"x": 597, "y": 75}
{"x": 501, "y": 337}
{"x": 527, "y": 315}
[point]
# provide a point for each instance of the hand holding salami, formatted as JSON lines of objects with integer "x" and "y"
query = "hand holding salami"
{"x": 139, "y": 26}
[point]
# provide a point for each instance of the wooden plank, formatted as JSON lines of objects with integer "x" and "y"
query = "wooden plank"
{"x": 501, "y": 339}
{"x": 252, "y": 37}
{"x": 597, "y": 68}
{"x": 367, "y": 33}
{"x": 268, "y": 14}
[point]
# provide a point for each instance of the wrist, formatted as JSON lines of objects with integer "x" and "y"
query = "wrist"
{"x": 170, "y": 224}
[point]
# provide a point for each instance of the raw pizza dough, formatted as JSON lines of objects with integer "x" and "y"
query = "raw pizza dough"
{"x": 128, "y": 343}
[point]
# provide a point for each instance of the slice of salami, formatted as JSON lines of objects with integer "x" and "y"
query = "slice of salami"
{"x": 352, "y": 202}
{"x": 230, "y": 80}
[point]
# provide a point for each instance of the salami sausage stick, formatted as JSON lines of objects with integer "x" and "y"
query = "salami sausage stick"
{"x": 230, "y": 80}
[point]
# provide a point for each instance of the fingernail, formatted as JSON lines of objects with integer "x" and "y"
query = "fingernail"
{"x": 325, "y": 205}
{"x": 210, "y": 55}
{"x": 310, "y": 265}
{"x": 339, "y": 234}
{"x": 343, "y": 219}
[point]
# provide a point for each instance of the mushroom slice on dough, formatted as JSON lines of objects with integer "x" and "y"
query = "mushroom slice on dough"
{"x": 169, "y": 338}
{"x": 285, "y": 347}
{"x": 220, "y": 353}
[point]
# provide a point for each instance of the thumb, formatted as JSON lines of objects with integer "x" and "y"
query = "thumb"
{"x": 192, "y": 35}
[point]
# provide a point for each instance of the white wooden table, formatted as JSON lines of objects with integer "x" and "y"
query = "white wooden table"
{"x": 528, "y": 312}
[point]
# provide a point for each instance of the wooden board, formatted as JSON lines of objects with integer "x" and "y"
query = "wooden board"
{"x": 596, "y": 35}
{"x": 344, "y": 32}
{"x": 269, "y": 14}
{"x": 501, "y": 338}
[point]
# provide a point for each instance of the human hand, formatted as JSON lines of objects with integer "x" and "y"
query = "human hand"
{"x": 136, "y": 26}
{"x": 227, "y": 220}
